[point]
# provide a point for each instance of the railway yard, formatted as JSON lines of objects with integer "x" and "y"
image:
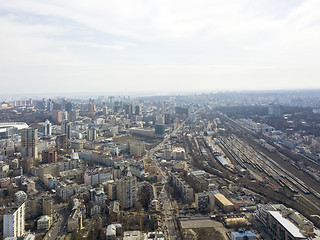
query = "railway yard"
{"x": 237, "y": 152}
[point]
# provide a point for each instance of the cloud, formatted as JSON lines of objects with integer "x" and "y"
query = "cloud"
{"x": 224, "y": 43}
{"x": 116, "y": 46}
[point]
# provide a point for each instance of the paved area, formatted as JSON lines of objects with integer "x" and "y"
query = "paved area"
{"x": 205, "y": 223}
{"x": 197, "y": 223}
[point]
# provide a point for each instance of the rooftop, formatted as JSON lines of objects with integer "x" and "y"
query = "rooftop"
{"x": 223, "y": 199}
{"x": 222, "y": 160}
{"x": 289, "y": 226}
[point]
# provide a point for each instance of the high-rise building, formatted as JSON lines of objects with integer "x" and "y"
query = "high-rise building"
{"x": 92, "y": 134}
{"x": 49, "y": 105}
{"x": 66, "y": 128}
{"x": 128, "y": 109}
{"x": 64, "y": 115}
{"x": 47, "y": 128}
{"x": 61, "y": 142}
{"x": 127, "y": 192}
{"x": 49, "y": 156}
{"x": 47, "y": 206}
{"x": 91, "y": 107}
{"x": 105, "y": 111}
{"x": 137, "y": 110}
{"x": 57, "y": 116}
{"x": 29, "y": 102}
{"x": 29, "y": 142}
{"x": 14, "y": 221}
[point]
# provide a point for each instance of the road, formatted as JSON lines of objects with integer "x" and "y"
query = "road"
{"x": 152, "y": 151}
{"x": 168, "y": 214}
{"x": 171, "y": 231}
{"x": 58, "y": 227}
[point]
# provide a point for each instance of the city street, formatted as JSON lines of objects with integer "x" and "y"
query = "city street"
{"x": 59, "y": 227}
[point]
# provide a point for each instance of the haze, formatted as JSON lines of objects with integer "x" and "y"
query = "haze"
{"x": 78, "y": 46}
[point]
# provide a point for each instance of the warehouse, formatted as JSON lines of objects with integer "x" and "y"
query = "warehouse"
{"x": 223, "y": 202}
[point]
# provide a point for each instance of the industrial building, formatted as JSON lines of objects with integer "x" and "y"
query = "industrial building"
{"x": 222, "y": 161}
{"x": 236, "y": 222}
{"x": 223, "y": 202}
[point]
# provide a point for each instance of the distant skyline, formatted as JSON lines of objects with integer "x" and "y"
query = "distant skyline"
{"x": 158, "y": 46}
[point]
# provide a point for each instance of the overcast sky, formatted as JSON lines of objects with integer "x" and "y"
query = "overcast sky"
{"x": 163, "y": 45}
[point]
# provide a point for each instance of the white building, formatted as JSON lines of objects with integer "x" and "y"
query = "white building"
{"x": 113, "y": 231}
{"x": 47, "y": 128}
{"x": 20, "y": 196}
{"x": 132, "y": 235}
{"x": 13, "y": 221}
{"x": 179, "y": 154}
{"x": 242, "y": 235}
{"x": 44, "y": 223}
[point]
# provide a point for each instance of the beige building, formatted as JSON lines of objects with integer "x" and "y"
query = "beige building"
{"x": 47, "y": 206}
{"x": 75, "y": 221}
{"x": 136, "y": 148}
{"x": 223, "y": 202}
{"x": 127, "y": 192}
{"x": 179, "y": 154}
{"x": 281, "y": 228}
{"x": 111, "y": 190}
{"x": 44, "y": 223}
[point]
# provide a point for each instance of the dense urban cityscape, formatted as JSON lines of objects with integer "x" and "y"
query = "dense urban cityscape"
{"x": 220, "y": 165}
{"x": 159, "y": 120}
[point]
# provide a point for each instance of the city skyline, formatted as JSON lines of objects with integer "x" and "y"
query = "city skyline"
{"x": 72, "y": 47}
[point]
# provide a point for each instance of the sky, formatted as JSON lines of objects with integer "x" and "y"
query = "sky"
{"x": 58, "y": 46}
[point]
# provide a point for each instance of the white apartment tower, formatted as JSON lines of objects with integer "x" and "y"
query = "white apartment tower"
{"x": 47, "y": 128}
{"x": 13, "y": 222}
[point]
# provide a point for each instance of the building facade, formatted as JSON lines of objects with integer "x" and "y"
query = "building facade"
{"x": 127, "y": 192}
{"x": 29, "y": 143}
{"x": 14, "y": 221}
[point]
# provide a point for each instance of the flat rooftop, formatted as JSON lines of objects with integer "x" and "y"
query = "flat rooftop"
{"x": 221, "y": 198}
{"x": 289, "y": 226}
